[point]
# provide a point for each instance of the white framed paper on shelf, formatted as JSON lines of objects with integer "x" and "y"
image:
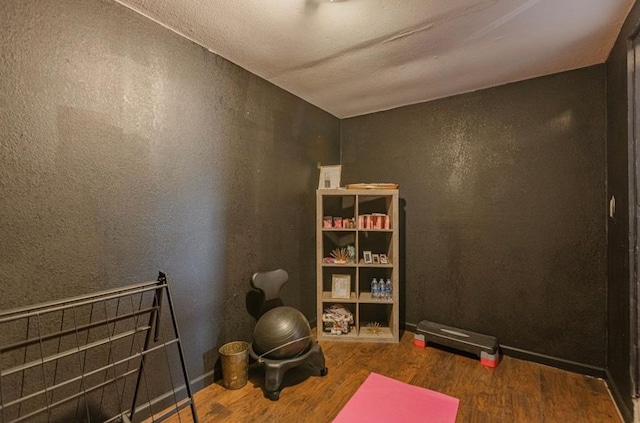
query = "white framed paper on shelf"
{"x": 340, "y": 286}
{"x": 330, "y": 177}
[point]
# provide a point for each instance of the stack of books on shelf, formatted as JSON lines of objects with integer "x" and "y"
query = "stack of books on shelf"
{"x": 337, "y": 320}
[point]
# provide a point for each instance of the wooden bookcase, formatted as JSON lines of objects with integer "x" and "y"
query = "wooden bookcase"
{"x": 369, "y": 223}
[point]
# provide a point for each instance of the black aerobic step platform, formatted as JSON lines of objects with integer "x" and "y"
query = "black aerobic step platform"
{"x": 484, "y": 346}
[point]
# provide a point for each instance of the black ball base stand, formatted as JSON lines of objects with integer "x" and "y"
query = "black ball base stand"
{"x": 274, "y": 370}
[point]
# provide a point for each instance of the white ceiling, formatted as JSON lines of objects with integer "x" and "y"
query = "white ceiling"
{"x": 353, "y": 57}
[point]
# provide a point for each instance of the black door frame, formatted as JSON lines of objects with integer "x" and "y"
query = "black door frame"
{"x": 633, "y": 91}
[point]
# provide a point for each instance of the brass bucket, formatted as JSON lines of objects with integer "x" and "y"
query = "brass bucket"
{"x": 235, "y": 364}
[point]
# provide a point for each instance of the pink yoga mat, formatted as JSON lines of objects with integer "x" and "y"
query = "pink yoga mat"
{"x": 381, "y": 399}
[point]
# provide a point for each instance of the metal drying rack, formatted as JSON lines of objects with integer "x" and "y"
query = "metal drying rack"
{"x": 95, "y": 358}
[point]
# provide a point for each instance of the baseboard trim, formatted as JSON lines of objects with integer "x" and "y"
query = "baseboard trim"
{"x": 167, "y": 399}
{"x": 560, "y": 363}
{"x": 203, "y": 380}
{"x": 625, "y": 412}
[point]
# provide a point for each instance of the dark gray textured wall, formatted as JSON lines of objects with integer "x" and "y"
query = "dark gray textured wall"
{"x": 619, "y": 153}
{"x": 126, "y": 149}
{"x": 505, "y": 226}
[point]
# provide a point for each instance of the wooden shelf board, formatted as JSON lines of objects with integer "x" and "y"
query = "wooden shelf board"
{"x": 365, "y": 297}
{"x": 338, "y": 265}
{"x": 374, "y": 230}
{"x": 386, "y": 265}
{"x": 326, "y": 336}
{"x": 326, "y": 298}
{"x": 384, "y": 332}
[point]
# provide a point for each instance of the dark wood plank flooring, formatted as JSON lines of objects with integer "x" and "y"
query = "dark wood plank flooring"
{"x": 514, "y": 391}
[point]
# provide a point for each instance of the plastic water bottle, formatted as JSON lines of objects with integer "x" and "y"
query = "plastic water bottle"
{"x": 383, "y": 291}
{"x": 375, "y": 293}
{"x": 388, "y": 290}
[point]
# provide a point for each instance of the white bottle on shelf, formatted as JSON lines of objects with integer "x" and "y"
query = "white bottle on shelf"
{"x": 375, "y": 288}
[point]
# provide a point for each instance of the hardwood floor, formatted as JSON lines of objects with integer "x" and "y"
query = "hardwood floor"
{"x": 514, "y": 391}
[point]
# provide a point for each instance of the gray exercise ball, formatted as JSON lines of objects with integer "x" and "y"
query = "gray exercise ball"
{"x": 282, "y": 332}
